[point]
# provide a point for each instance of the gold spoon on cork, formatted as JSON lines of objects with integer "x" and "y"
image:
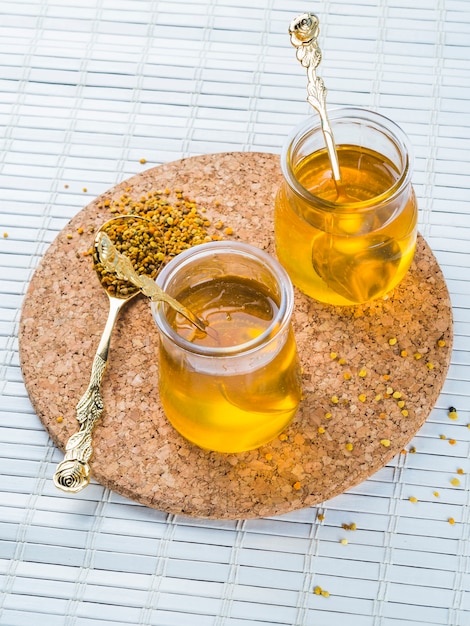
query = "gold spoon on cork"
{"x": 123, "y": 276}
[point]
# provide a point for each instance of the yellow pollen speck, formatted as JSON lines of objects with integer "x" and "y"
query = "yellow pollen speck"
{"x": 382, "y": 416}
{"x": 59, "y": 419}
{"x": 296, "y": 486}
{"x": 418, "y": 356}
{"x": 404, "y": 412}
{"x": 389, "y": 391}
{"x": 320, "y": 517}
{"x": 435, "y": 494}
{"x": 283, "y": 437}
{"x": 396, "y": 395}
{"x": 321, "y": 430}
{"x": 317, "y": 590}
{"x": 69, "y": 235}
{"x": 335, "y": 399}
{"x": 5, "y": 235}
{"x": 460, "y": 471}
{"x": 268, "y": 456}
{"x": 362, "y": 397}
{"x": 451, "y": 520}
{"x": 401, "y": 403}
{"x": 452, "y": 442}
{"x": 84, "y": 189}
{"x": 143, "y": 161}
{"x": 441, "y": 343}
{"x": 453, "y": 415}
{"x": 333, "y": 355}
{"x": 455, "y": 482}
{"x": 349, "y": 446}
{"x": 328, "y": 416}
{"x": 429, "y": 365}
{"x": 385, "y": 443}
{"x": 378, "y": 397}
{"x": 392, "y": 341}
{"x": 403, "y": 353}
{"x": 386, "y": 376}
{"x": 442, "y": 437}
{"x": 325, "y": 594}
{"x": 413, "y": 499}
{"x": 344, "y": 542}
{"x": 347, "y": 375}
{"x": 412, "y": 450}
{"x": 362, "y": 373}
{"x": 341, "y": 361}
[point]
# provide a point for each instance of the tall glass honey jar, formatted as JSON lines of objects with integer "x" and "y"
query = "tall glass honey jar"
{"x": 238, "y": 385}
{"x": 350, "y": 241}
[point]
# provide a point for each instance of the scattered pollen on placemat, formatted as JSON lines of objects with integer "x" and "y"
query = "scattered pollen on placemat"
{"x": 452, "y": 413}
{"x": 318, "y": 591}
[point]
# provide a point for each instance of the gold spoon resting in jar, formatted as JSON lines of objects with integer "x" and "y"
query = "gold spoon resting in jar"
{"x": 304, "y": 31}
{"x": 122, "y": 282}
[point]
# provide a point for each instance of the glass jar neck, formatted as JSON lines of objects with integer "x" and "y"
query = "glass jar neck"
{"x": 216, "y": 260}
{"x": 358, "y": 129}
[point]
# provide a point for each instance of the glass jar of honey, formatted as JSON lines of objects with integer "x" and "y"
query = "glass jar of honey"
{"x": 350, "y": 241}
{"x": 236, "y": 386}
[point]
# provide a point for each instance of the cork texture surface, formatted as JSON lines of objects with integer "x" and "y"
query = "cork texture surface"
{"x": 371, "y": 373}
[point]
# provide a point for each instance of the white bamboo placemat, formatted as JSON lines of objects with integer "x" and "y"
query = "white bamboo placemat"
{"x": 87, "y": 90}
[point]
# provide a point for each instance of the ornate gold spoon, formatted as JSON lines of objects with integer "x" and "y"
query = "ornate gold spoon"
{"x": 131, "y": 231}
{"x": 124, "y": 270}
{"x": 304, "y": 31}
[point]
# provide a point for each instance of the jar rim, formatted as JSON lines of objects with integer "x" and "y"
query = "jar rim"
{"x": 353, "y": 115}
{"x": 182, "y": 262}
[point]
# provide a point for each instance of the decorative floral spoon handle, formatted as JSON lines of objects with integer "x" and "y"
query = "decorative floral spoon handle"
{"x": 304, "y": 31}
{"x": 73, "y": 473}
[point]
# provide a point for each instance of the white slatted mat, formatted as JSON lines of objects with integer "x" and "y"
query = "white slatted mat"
{"x": 89, "y": 88}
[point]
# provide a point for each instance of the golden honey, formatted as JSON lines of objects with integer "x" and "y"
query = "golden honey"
{"x": 351, "y": 242}
{"x": 237, "y": 386}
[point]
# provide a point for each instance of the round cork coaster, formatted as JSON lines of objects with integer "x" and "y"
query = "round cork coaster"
{"x": 371, "y": 373}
